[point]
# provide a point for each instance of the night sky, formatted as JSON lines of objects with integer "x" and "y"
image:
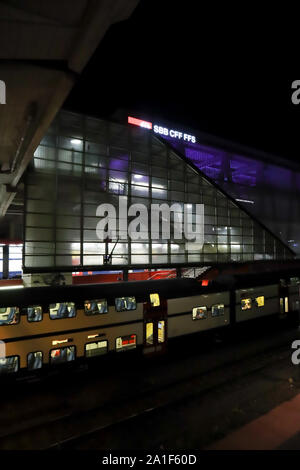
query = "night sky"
{"x": 205, "y": 70}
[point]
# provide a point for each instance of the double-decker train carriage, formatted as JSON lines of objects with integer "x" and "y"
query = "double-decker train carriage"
{"x": 47, "y": 326}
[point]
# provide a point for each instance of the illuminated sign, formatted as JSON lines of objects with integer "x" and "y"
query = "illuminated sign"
{"x": 174, "y": 134}
{"x": 164, "y": 131}
{"x": 139, "y": 122}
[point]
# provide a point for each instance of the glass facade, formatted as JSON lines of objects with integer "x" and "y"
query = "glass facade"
{"x": 83, "y": 162}
{"x": 14, "y": 255}
{"x": 1, "y": 261}
{"x": 270, "y": 192}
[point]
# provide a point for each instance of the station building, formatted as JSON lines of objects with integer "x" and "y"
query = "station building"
{"x": 83, "y": 162}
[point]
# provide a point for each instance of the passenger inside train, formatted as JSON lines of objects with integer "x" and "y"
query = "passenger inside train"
{"x": 95, "y": 307}
{"x": 34, "y": 314}
{"x": 199, "y": 313}
{"x": 9, "y": 316}
{"x": 62, "y": 310}
{"x": 35, "y": 360}
{"x": 9, "y": 365}
{"x": 61, "y": 355}
{"x": 125, "y": 303}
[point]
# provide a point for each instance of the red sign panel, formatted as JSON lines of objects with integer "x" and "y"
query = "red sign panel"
{"x": 139, "y": 122}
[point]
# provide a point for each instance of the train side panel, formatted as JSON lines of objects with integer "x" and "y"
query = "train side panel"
{"x": 180, "y": 314}
{"x": 256, "y": 302}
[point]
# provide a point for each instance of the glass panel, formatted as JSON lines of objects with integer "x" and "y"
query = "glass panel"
{"x": 199, "y": 313}
{"x": 123, "y": 343}
{"x": 260, "y": 301}
{"x": 281, "y": 305}
{"x": 115, "y": 154}
{"x": 149, "y": 333}
{"x": 286, "y": 304}
{"x": 62, "y": 310}
{"x": 95, "y": 307}
{"x": 35, "y": 360}
{"x": 246, "y": 304}
{"x": 61, "y": 355}
{"x": 9, "y": 315}
{"x": 154, "y": 299}
{"x": 96, "y": 349}
{"x": 34, "y": 313}
{"x": 125, "y": 303}
{"x": 217, "y": 310}
{"x": 9, "y": 365}
{"x": 161, "y": 331}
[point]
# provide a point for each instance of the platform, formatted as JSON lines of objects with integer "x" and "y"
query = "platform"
{"x": 277, "y": 430}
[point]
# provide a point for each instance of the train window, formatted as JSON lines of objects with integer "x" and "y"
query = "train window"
{"x": 161, "y": 331}
{"x": 286, "y": 304}
{"x": 9, "y": 316}
{"x": 281, "y": 305}
{"x": 96, "y": 349}
{"x": 199, "y": 313}
{"x": 246, "y": 304}
{"x": 260, "y": 301}
{"x": 62, "y": 310}
{"x": 125, "y": 303}
{"x": 35, "y": 360}
{"x": 217, "y": 310}
{"x": 62, "y": 355}
{"x": 95, "y": 307}
{"x": 154, "y": 299}
{"x": 123, "y": 343}
{"x": 9, "y": 365}
{"x": 149, "y": 333}
{"x": 34, "y": 313}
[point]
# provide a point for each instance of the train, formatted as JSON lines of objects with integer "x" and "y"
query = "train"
{"x": 44, "y": 327}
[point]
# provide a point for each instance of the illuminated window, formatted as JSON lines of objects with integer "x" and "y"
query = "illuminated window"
{"x": 96, "y": 349}
{"x": 149, "y": 333}
{"x": 62, "y": 310}
{"x": 246, "y": 304}
{"x": 125, "y": 303}
{"x": 281, "y": 305}
{"x": 61, "y": 355}
{"x": 35, "y": 360}
{"x": 199, "y": 313}
{"x": 217, "y": 310}
{"x": 95, "y": 307}
{"x": 9, "y": 316}
{"x": 123, "y": 343}
{"x": 161, "y": 331}
{"x": 260, "y": 301}
{"x": 154, "y": 299}
{"x": 9, "y": 365}
{"x": 286, "y": 304}
{"x": 34, "y": 313}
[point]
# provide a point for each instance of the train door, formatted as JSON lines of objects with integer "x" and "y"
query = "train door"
{"x": 155, "y": 325}
{"x": 283, "y": 300}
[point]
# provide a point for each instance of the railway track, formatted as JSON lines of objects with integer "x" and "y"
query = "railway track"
{"x": 75, "y": 429}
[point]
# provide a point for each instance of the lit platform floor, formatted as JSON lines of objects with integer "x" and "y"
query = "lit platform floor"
{"x": 277, "y": 430}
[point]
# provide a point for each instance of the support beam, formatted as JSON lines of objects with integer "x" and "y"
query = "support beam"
{"x": 6, "y": 262}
